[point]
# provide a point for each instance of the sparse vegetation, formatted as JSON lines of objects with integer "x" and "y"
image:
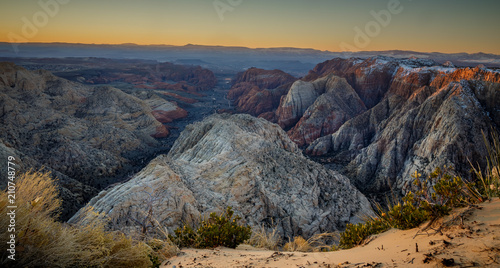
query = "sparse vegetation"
{"x": 490, "y": 179}
{"x": 355, "y": 234}
{"x": 261, "y": 238}
{"x": 44, "y": 242}
{"x": 314, "y": 243}
{"x": 415, "y": 208}
{"x": 425, "y": 204}
{"x": 217, "y": 230}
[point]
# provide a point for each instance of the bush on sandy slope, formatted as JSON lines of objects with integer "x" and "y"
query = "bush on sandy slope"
{"x": 415, "y": 208}
{"x": 217, "y": 230}
{"x": 425, "y": 204}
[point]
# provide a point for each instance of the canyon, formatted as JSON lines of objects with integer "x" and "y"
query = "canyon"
{"x": 302, "y": 154}
{"x": 88, "y": 136}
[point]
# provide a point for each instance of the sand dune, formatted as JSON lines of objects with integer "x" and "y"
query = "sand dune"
{"x": 468, "y": 237}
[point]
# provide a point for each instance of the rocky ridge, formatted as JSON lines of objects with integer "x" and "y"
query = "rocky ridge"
{"x": 165, "y": 75}
{"x": 428, "y": 117}
{"x": 380, "y": 119}
{"x": 239, "y": 161}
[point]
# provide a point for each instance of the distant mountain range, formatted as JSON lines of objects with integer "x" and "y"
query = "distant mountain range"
{"x": 223, "y": 59}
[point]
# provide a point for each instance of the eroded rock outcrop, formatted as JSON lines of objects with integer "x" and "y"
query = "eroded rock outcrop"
{"x": 320, "y": 107}
{"x": 239, "y": 161}
{"x": 429, "y": 116}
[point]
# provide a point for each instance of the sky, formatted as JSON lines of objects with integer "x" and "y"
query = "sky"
{"x": 448, "y": 26}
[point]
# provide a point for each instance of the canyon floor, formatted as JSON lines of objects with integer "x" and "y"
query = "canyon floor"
{"x": 468, "y": 237}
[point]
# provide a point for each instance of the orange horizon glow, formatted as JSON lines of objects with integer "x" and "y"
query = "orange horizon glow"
{"x": 447, "y": 26}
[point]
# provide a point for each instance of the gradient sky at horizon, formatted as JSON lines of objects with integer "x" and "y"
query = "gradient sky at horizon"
{"x": 424, "y": 25}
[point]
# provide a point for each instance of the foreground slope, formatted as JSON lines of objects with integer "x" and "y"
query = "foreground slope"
{"x": 239, "y": 161}
{"x": 473, "y": 242}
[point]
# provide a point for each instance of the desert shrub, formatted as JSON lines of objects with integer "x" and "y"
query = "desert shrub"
{"x": 186, "y": 236}
{"x": 314, "y": 243}
{"x": 415, "y": 207}
{"x": 448, "y": 191}
{"x": 355, "y": 234}
{"x": 161, "y": 251}
{"x": 217, "y": 230}
{"x": 406, "y": 214}
{"x": 41, "y": 241}
{"x": 261, "y": 238}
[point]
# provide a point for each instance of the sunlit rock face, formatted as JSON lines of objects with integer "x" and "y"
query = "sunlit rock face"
{"x": 240, "y": 161}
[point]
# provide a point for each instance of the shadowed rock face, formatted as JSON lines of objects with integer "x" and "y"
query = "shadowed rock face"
{"x": 429, "y": 116}
{"x": 239, "y": 161}
{"x": 86, "y": 135}
{"x": 257, "y": 91}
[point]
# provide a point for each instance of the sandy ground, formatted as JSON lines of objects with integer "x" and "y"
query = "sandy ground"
{"x": 468, "y": 237}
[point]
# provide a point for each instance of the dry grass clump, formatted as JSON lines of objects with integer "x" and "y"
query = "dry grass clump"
{"x": 164, "y": 248}
{"x": 101, "y": 248}
{"x": 41, "y": 241}
{"x": 261, "y": 238}
{"x": 315, "y": 243}
{"x": 490, "y": 179}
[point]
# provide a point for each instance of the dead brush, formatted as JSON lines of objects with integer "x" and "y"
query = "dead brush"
{"x": 316, "y": 243}
{"x": 262, "y": 238}
{"x": 489, "y": 179}
{"x": 44, "y": 242}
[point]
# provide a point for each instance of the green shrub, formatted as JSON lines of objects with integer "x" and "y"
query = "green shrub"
{"x": 414, "y": 208}
{"x": 448, "y": 191}
{"x": 355, "y": 234}
{"x": 408, "y": 214}
{"x": 217, "y": 230}
{"x": 186, "y": 237}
